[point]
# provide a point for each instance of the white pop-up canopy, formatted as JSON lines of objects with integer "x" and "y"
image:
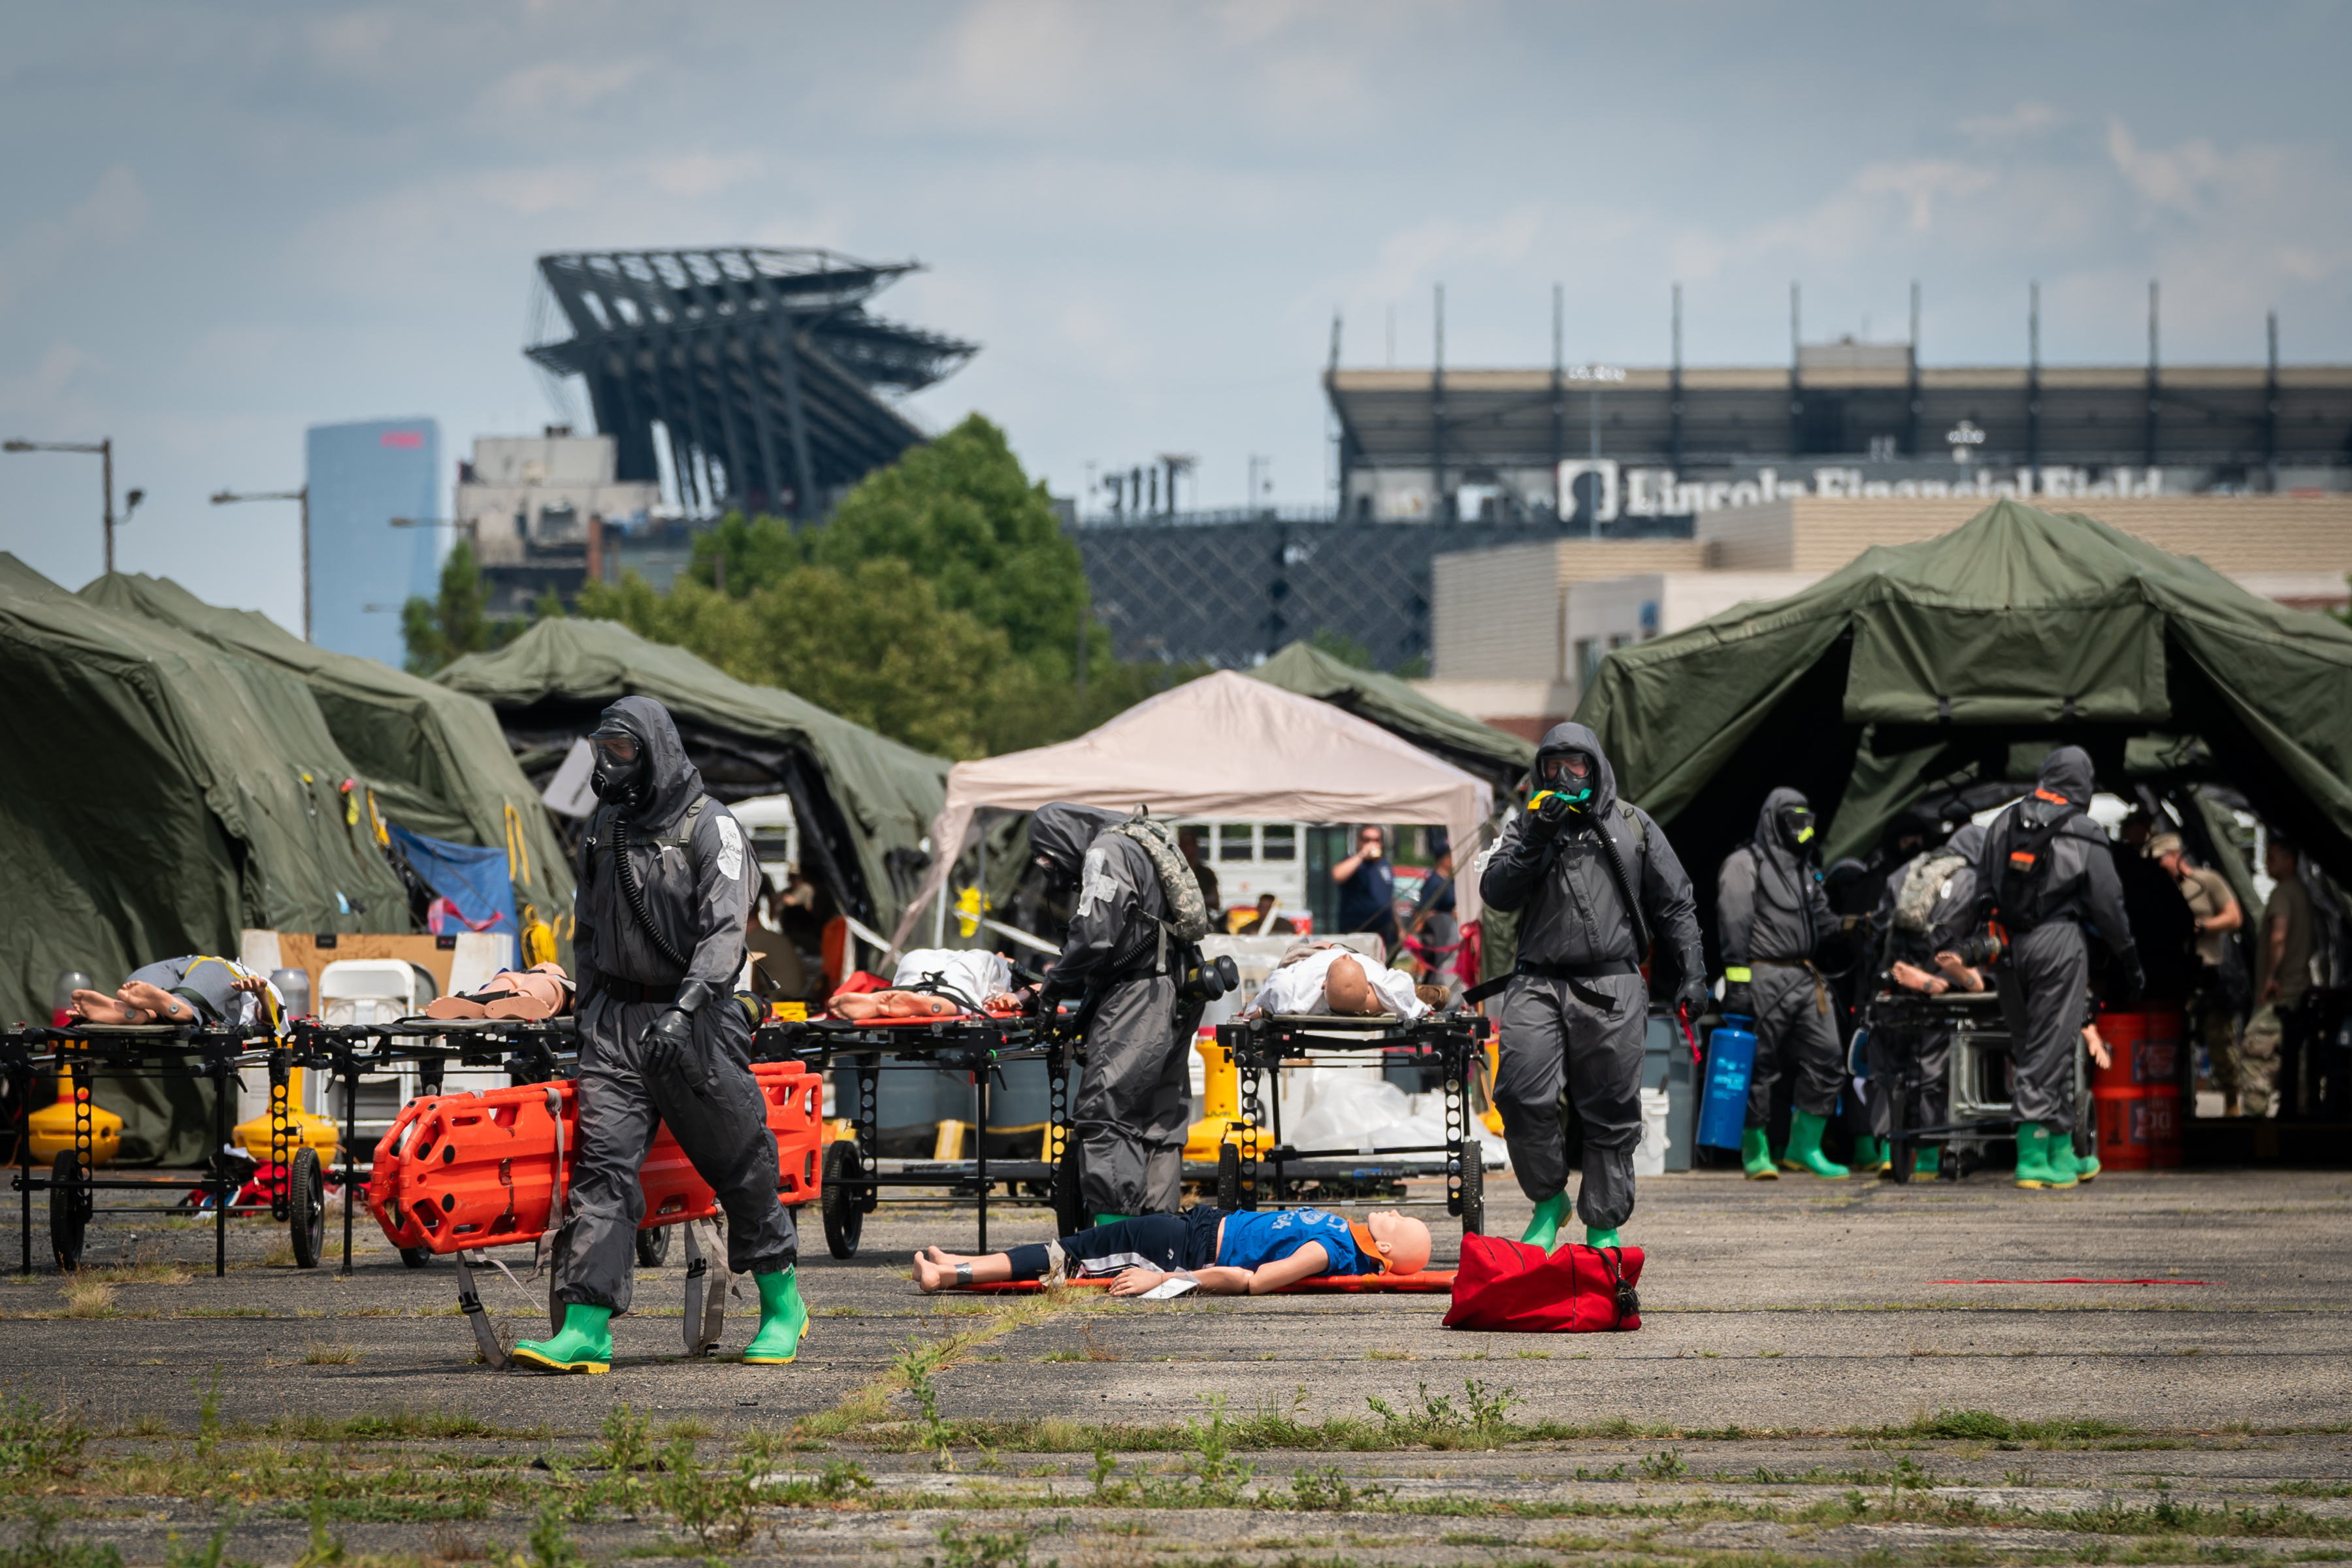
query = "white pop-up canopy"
{"x": 1223, "y": 746}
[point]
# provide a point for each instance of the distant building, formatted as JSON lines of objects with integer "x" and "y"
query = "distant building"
{"x": 757, "y": 373}
{"x": 1518, "y": 632}
{"x": 545, "y": 512}
{"x": 363, "y": 568}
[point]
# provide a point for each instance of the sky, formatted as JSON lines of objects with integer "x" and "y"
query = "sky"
{"x": 225, "y": 223}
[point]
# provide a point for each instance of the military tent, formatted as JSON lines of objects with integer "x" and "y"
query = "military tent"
{"x": 156, "y": 796}
{"x": 864, "y": 802}
{"x": 436, "y": 759}
{"x": 1922, "y": 667}
{"x": 1502, "y": 759}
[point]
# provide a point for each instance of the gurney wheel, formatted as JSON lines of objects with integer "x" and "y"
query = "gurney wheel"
{"x": 69, "y": 1209}
{"x": 415, "y": 1257}
{"x": 306, "y": 1209}
{"x": 845, "y": 1216}
{"x": 652, "y": 1246}
{"x": 1473, "y": 1189}
{"x": 1229, "y": 1177}
{"x": 1069, "y": 1208}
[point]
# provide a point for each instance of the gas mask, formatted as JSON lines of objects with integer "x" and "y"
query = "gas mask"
{"x": 1797, "y": 829}
{"x": 622, "y": 769}
{"x": 1566, "y": 777}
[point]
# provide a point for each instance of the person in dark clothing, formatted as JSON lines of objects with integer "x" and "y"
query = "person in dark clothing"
{"x": 666, "y": 878}
{"x": 1134, "y": 1105}
{"x": 1928, "y": 907}
{"x": 1594, "y": 882}
{"x": 2045, "y": 873}
{"x": 1367, "y": 889}
{"x": 1772, "y": 917}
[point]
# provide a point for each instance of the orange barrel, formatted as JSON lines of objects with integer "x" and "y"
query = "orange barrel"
{"x": 2137, "y": 1095}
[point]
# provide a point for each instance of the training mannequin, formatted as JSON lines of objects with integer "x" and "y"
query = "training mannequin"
{"x": 666, "y": 876}
{"x": 191, "y": 990}
{"x": 1326, "y": 977}
{"x": 1223, "y": 1252}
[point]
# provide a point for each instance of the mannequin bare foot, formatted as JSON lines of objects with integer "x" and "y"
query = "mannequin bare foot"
{"x": 156, "y": 1001}
{"x": 97, "y": 1007}
{"x": 934, "y": 1278}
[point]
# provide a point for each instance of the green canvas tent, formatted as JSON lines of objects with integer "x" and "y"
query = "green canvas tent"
{"x": 436, "y": 759}
{"x": 156, "y": 796}
{"x": 865, "y": 803}
{"x": 1965, "y": 657}
{"x": 1501, "y": 758}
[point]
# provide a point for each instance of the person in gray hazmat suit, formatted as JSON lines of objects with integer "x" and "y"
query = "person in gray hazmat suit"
{"x": 1134, "y": 1102}
{"x": 1929, "y": 909}
{"x": 667, "y": 878}
{"x": 2045, "y": 871}
{"x": 1591, "y": 877}
{"x": 1771, "y": 916}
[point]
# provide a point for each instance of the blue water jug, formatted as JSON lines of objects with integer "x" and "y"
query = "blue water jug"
{"x": 1731, "y": 1063}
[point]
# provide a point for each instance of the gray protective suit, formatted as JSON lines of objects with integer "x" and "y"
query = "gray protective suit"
{"x": 1134, "y": 1102}
{"x": 2046, "y": 992}
{"x": 1771, "y": 915}
{"x": 1949, "y": 919}
{"x": 1577, "y": 1009}
{"x": 696, "y": 872}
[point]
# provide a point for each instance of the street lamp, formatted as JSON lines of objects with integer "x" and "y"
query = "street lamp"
{"x": 303, "y": 496}
{"x": 105, "y": 450}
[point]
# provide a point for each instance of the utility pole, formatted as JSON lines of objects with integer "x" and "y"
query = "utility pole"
{"x": 1911, "y": 430}
{"x": 1441, "y": 511}
{"x": 2152, "y": 377}
{"x": 1675, "y": 391}
{"x": 1559, "y": 404}
{"x": 105, "y": 450}
{"x": 2033, "y": 375}
{"x": 303, "y": 496}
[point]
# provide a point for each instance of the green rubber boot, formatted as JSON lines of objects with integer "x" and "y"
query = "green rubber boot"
{"x": 1869, "y": 1156}
{"x": 1805, "y": 1131}
{"x": 2066, "y": 1171}
{"x": 2033, "y": 1155}
{"x": 1103, "y": 1219}
{"x": 1543, "y": 1230}
{"x": 1756, "y": 1156}
{"x": 2085, "y": 1167}
{"x": 1927, "y": 1161}
{"x": 1595, "y": 1237}
{"x": 783, "y": 1321}
{"x": 584, "y": 1344}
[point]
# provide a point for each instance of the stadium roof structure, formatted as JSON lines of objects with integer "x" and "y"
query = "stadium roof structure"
{"x": 761, "y": 366}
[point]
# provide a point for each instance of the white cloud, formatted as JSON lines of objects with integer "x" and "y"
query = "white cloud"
{"x": 115, "y": 211}
{"x": 559, "y": 87}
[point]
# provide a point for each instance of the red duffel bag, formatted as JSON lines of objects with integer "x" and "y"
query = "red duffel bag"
{"x": 1511, "y": 1287}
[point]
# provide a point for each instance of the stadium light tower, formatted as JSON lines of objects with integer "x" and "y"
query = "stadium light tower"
{"x": 105, "y": 450}
{"x": 303, "y": 495}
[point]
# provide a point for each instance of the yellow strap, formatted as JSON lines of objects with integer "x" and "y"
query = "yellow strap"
{"x": 517, "y": 849}
{"x": 1738, "y": 974}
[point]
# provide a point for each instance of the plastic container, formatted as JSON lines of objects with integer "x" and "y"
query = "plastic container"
{"x": 2137, "y": 1095}
{"x": 1650, "y": 1153}
{"x": 1730, "y": 1062}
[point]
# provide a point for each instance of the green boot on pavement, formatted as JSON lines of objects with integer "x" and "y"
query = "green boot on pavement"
{"x": 584, "y": 1344}
{"x": 1543, "y": 1230}
{"x": 1869, "y": 1156}
{"x": 1805, "y": 1131}
{"x": 2066, "y": 1171}
{"x": 1756, "y": 1156}
{"x": 2086, "y": 1167}
{"x": 2033, "y": 1155}
{"x": 783, "y": 1321}
{"x": 1927, "y": 1161}
{"x": 1595, "y": 1237}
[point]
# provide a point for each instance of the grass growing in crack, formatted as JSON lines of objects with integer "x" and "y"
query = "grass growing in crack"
{"x": 322, "y": 1352}
{"x": 980, "y": 1550}
{"x": 40, "y": 1550}
{"x": 89, "y": 1297}
{"x": 1328, "y": 1491}
{"x": 1481, "y": 1421}
{"x": 35, "y": 1441}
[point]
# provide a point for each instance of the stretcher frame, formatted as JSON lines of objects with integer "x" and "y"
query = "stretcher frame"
{"x": 1454, "y": 1040}
{"x": 1979, "y": 1029}
{"x": 92, "y": 1051}
{"x": 530, "y": 1051}
{"x": 977, "y": 1044}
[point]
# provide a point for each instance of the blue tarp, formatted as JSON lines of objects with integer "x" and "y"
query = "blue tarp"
{"x": 476, "y": 880}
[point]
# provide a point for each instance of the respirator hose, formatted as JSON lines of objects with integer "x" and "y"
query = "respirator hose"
{"x": 636, "y": 894}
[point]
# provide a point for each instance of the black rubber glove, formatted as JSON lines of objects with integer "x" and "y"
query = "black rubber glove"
{"x": 1693, "y": 997}
{"x": 2135, "y": 979}
{"x": 1545, "y": 821}
{"x": 1735, "y": 999}
{"x": 669, "y": 1040}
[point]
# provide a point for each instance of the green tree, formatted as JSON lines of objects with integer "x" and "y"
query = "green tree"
{"x": 457, "y": 621}
{"x": 962, "y": 513}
